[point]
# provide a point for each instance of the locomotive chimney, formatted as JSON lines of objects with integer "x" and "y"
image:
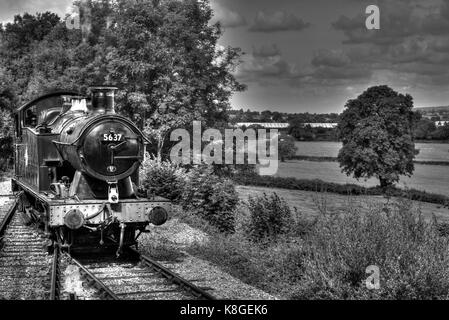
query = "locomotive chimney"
{"x": 103, "y": 99}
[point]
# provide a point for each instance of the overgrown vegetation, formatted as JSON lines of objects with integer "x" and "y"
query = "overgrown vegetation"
{"x": 198, "y": 191}
{"x": 329, "y": 257}
{"x": 211, "y": 197}
{"x": 269, "y": 218}
{"x": 163, "y": 178}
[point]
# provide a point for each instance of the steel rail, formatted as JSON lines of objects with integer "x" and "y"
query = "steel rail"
{"x": 7, "y": 219}
{"x": 55, "y": 272}
{"x": 105, "y": 292}
{"x": 55, "y": 276}
{"x": 173, "y": 277}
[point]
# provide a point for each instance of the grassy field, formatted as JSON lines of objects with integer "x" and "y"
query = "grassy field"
{"x": 310, "y": 203}
{"x": 430, "y": 178}
{"x": 427, "y": 151}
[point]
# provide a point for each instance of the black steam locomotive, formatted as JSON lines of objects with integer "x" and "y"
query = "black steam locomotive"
{"x": 76, "y": 171}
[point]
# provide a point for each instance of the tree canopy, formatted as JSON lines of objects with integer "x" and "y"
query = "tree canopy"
{"x": 162, "y": 55}
{"x": 376, "y": 130}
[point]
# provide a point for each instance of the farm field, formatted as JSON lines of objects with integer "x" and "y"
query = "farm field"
{"x": 429, "y": 178}
{"x": 308, "y": 202}
{"x": 427, "y": 151}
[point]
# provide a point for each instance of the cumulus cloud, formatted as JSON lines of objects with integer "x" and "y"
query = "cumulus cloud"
{"x": 278, "y": 21}
{"x": 329, "y": 68}
{"x": 265, "y": 64}
{"x": 437, "y": 23}
{"x": 266, "y": 51}
{"x": 398, "y": 20}
{"x": 412, "y": 44}
{"x": 331, "y": 58}
{"x": 227, "y": 17}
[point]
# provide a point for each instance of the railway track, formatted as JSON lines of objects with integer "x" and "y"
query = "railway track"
{"x": 137, "y": 277}
{"x": 25, "y": 266}
{"x": 27, "y": 272}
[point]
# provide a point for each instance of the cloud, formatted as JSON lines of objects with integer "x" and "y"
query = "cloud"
{"x": 397, "y": 20}
{"x": 266, "y": 51}
{"x": 331, "y": 58}
{"x": 411, "y": 48}
{"x": 265, "y": 64}
{"x": 10, "y": 8}
{"x": 227, "y": 17}
{"x": 330, "y": 68}
{"x": 437, "y": 23}
{"x": 278, "y": 21}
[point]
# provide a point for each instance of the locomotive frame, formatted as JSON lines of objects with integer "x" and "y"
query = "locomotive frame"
{"x": 78, "y": 201}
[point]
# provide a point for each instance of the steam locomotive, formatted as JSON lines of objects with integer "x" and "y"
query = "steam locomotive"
{"x": 77, "y": 171}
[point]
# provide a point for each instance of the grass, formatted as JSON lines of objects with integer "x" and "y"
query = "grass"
{"x": 335, "y": 159}
{"x": 342, "y": 189}
{"x": 310, "y": 202}
{"x": 329, "y": 260}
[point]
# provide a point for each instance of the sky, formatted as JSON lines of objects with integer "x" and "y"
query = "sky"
{"x": 314, "y": 55}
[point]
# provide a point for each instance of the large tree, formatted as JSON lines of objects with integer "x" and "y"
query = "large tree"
{"x": 7, "y": 101}
{"x": 377, "y": 134}
{"x": 163, "y": 55}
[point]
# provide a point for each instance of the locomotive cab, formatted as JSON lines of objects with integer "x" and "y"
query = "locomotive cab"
{"x": 76, "y": 168}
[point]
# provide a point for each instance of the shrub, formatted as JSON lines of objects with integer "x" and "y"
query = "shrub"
{"x": 211, "y": 197}
{"x": 270, "y": 217}
{"x": 163, "y": 178}
{"x": 412, "y": 257}
{"x": 329, "y": 259}
{"x": 287, "y": 148}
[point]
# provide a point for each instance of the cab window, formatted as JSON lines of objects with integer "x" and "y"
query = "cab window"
{"x": 17, "y": 124}
{"x": 30, "y": 117}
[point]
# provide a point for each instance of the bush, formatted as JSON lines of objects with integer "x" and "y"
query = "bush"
{"x": 412, "y": 257}
{"x": 270, "y": 217}
{"x": 211, "y": 197}
{"x": 330, "y": 259}
{"x": 163, "y": 178}
{"x": 287, "y": 147}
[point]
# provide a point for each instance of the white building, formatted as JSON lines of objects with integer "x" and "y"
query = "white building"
{"x": 441, "y": 123}
{"x": 322, "y": 125}
{"x": 265, "y": 125}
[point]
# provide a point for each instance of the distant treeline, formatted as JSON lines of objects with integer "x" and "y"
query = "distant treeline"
{"x": 425, "y": 128}
{"x": 275, "y": 116}
{"x": 435, "y": 113}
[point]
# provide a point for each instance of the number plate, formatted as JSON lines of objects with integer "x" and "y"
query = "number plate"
{"x": 112, "y": 137}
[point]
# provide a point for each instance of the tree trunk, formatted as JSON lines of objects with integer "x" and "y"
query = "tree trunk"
{"x": 384, "y": 183}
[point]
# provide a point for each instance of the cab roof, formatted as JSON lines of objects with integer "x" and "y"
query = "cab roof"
{"x": 48, "y": 95}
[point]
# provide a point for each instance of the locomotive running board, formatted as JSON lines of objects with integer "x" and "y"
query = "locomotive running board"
{"x": 128, "y": 210}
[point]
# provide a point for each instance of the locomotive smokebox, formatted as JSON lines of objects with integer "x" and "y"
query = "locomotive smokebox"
{"x": 103, "y": 99}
